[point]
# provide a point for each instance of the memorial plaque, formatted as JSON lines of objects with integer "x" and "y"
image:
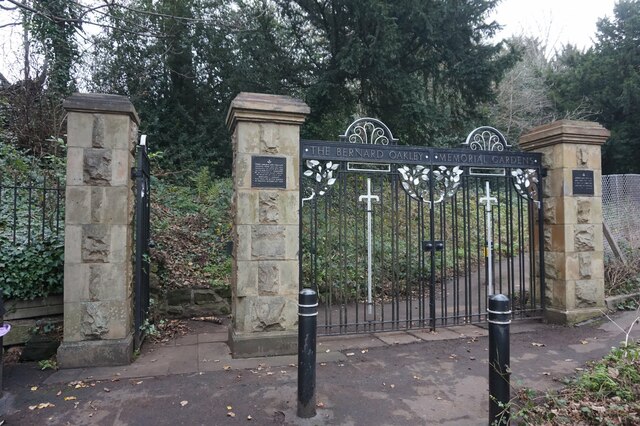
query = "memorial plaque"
{"x": 268, "y": 172}
{"x": 582, "y": 182}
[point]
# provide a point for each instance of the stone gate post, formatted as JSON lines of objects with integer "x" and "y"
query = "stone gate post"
{"x": 573, "y": 236}
{"x": 265, "y": 209}
{"x": 98, "y": 278}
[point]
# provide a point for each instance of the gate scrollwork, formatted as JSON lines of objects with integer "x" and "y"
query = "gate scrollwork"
{"x": 368, "y": 131}
{"x": 486, "y": 138}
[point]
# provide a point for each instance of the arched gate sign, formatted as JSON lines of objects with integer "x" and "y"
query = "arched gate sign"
{"x": 396, "y": 237}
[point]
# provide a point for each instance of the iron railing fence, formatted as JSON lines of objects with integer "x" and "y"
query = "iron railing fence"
{"x": 31, "y": 210}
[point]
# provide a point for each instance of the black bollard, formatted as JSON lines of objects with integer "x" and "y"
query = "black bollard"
{"x": 307, "y": 322}
{"x": 499, "y": 372}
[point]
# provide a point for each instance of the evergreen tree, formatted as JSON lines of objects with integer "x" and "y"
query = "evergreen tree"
{"x": 607, "y": 79}
{"x": 421, "y": 66}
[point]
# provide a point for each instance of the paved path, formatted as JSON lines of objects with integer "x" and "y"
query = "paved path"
{"x": 415, "y": 378}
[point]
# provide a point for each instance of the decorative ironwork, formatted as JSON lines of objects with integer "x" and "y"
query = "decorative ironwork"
{"x": 486, "y": 138}
{"x": 526, "y": 183}
{"x": 416, "y": 182}
{"x": 368, "y": 131}
{"x": 322, "y": 176}
{"x": 387, "y": 267}
{"x": 450, "y": 182}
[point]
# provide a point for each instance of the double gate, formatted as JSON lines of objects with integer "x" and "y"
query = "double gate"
{"x": 396, "y": 237}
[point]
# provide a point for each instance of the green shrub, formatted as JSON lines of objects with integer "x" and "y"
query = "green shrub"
{"x": 36, "y": 270}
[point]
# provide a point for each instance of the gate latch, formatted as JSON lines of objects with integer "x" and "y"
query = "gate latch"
{"x": 432, "y": 245}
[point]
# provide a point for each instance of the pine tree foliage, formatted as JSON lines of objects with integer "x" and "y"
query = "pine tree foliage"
{"x": 607, "y": 79}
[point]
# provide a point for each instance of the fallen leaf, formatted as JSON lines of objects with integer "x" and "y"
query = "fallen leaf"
{"x": 34, "y": 388}
{"x": 537, "y": 344}
{"x": 138, "y": 382}
{"x": 41, "y": 406}
{"x": 328, "y": 350}
{"x": 59, "y": 393}
{"x": 229, "y": 408}
{"x": 107, "y": 390}
{"x": 231, "y": 414}
{"x": 584, "y": 342}
{"x": 392, "y": 386}
{"x": 183, "y": 403}
{"x": 249, "y": 417}
{"x": 70, "y": 398}
{"x": 323, "y": 364}
{"x": 350, "y": 354}
{"x": 439, "y": 398}
{"x": 320, "y": 405}
{"x": 227, "y": 367}
{"x": 364, "y": 351}
{"x": 546, "y": 373}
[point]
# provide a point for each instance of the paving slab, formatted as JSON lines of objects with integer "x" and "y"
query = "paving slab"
{"x": 397, "y": 338}
{"x": 469, "y": 330}
{"x": 189, "y": 339}
{"x": 439, "y": 334}
{"x": 221, "y": 336}
{"x": 340, "y": 343}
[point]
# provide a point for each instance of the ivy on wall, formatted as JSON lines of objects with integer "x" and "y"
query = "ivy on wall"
{"x": 36, "y": 270}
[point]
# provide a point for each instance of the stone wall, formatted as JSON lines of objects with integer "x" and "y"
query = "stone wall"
{"x": 573, "y": 237}
{"x": 98, "y": 276}
{"x": 265, "y": 224}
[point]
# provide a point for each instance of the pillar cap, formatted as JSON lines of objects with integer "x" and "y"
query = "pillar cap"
{"x": 101, "y": 103}
{"x": 564, "y": 131}
{"x": 262, "y": 107}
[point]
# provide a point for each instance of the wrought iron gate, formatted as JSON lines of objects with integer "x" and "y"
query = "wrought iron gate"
{"x": 397, "y": 237}
{"x": 142, "y": 238}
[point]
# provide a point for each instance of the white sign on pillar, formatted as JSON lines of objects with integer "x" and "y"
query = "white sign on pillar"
{"x": 369, "y": 197}
{"x": 488, "y": 201}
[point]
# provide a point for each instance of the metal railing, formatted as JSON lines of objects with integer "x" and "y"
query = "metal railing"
{"x": 31, "y": 210}
{"x": 620, "y": 207}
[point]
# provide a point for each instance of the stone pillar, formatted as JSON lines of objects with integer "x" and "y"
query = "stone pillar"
{"x": 265, "y": 207}
{"x": 98, "y": 276}
{"x": 573, "y": 236}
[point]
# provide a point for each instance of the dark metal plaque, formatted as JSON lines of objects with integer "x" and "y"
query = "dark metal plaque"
{"x": 268, "y": 172}
{"x": 402, "y": 154}
{"x": 582, "y": 182}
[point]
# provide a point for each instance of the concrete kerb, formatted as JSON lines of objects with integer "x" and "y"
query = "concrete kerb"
{"x": 209, "y": 351}
{"x": 612, "y": 302}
